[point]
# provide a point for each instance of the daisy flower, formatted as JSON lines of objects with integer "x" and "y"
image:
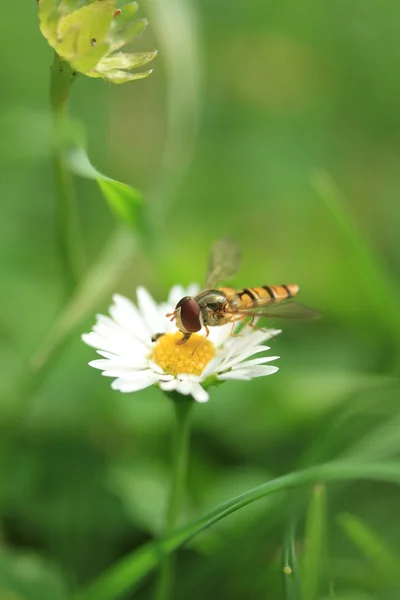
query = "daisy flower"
{"x": 136, "y": 356}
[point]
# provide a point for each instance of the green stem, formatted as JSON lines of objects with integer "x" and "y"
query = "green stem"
{"x": 67, "y": 223}
{"x": 182, "y": 407}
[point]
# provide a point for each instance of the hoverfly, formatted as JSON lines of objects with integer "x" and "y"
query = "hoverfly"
{"x": 217, "y": 306}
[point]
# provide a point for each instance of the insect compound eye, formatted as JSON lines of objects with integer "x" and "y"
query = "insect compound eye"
{"x": 182, "y": 301}
{"x": 190, "y": 314}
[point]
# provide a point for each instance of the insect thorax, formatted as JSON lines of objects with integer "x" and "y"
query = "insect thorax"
{"x": 212, "y": 305}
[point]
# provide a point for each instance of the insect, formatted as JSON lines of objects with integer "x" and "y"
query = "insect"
{"x": 217, "y": 306}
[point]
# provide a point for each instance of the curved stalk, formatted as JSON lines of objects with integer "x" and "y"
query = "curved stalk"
{"x": 182, "y": 407}
{"x": 67, "y": 224}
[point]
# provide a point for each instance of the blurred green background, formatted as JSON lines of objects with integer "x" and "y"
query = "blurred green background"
{"x": 246, "y": 103}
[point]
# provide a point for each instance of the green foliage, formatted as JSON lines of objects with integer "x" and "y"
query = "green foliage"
{"x": 382, "y": 560}
{"x": 89, "y": 36}
{"x": 124, "y": 200}
{"x": 367, "y": 264}
{"x": 133, "y": 569}
{"x": 98, "y": 283}
{"x": 248, "y": 104}
{"x": 27, "y": 577}
{"x": 314, "y": 544}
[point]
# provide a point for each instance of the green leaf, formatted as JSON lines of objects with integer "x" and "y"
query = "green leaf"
{"x": 131, "y": 31}
{"x": 124, "y": 200}
{"x": 48, "y": 19}
{"x": 79, "y": 30}
{"x": 314, "y": 544}
{"x": 89, "y": 60}
{"x": 124, "y": 61}
{"x": 67, "y": 6}
{"x": 27, "y": 577}
{"x": 129, "y": 10}
{"x": 382, "y": 560}
{"x": 132, "y": 569}
{"x": 119, "y": 76}
{"x": 124, "y": 30}
{"x": 86, "y": 37}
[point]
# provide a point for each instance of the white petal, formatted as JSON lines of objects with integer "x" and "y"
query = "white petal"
{"x": 185, "y": 387}
{"x": 119, "y": 345}
{"x": 125, "y": 313}
{"x": 109, "y": 355}
{"x": 117, "y": 335}
{"x": 219, "y": 335}
{"x": 104, "y": 364}
{"x": 124, "y": 362}
{"x": 256, "y": 361}
{"x": 138, "y": 375}
{"x": 237, "y": 358}
{"x": 246, "y": 374}
{"x": 192, "y": 289}
{"x": 239, "y": 374}
{"x": 149, "y": 309}
{"x": 88, "y": 339}
{"x": 96, "y": 341}
{"x": 107, "y": 323}
{"x": 154, "y": 367}
{"x": 212, "y": 367}
{"x": 271, "y": 333}
{"x": 122, "y": 373}
{"x": 168, "y": 386}
{"x": 199, "y": 393}
{"x": 134, "y": 385}
{"x": 254, "y": 338}
{"x": 262, "y": 371}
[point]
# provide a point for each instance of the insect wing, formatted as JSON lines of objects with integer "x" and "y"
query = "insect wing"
{"x": 224, "y": 262}
{"x": 277, "y": 310}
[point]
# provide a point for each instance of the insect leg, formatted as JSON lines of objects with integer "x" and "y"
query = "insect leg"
{"x": 184, "y": 339}
{"x": 234, "y": 321}
{"x": 203, "y": 340}
{"x": 156, "y": 336}
{"x": 257, "y": 328}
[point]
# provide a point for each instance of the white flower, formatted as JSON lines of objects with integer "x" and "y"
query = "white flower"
{"x": 124, "y": 340}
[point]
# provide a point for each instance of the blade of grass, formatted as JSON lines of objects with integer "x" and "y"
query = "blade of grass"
{"x": 129, "y": 572}
{"x": 314, "y": 550}
{"x": 384, "y": 562}
{"x": 377, "y": 280}
{"x": 289, "y": 566}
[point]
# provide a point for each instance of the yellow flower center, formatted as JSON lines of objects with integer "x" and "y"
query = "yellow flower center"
{"x": 190, "y": 357}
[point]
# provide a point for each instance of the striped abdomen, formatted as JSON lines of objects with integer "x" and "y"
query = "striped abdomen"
{"x": 260, "y": 295}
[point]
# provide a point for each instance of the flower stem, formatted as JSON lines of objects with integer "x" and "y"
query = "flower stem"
{"x": 67, "y": 223}
{"x": 182, "y": 405}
